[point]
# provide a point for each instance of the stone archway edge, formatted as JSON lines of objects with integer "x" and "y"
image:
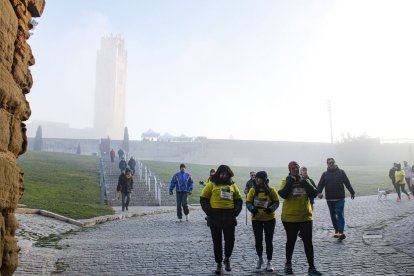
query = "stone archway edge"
{"x": 102, "y": 219}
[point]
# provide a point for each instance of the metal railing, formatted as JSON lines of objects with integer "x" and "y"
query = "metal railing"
{"x": 153, "y": 182}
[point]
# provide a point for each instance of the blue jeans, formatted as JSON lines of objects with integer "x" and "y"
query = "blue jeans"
{"x": 336, "y": 209}
{"x": 182, "y": 201}
{"x": 126, "y": 197}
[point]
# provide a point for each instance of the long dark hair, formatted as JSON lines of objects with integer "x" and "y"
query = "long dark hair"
{"x": 265, "y": 186}
{"x": 221, "y": 169}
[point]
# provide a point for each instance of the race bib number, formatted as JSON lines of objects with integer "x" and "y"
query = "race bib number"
{"x": 260, "y": 203}
{"x": 225, "y": 194}
{"x": 298, "y": 191}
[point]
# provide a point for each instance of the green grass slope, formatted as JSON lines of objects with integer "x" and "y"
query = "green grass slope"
{"x": 63, "y": 183}
{"x": 365, "y": 180}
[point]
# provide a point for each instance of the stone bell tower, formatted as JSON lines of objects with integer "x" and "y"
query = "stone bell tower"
{"x": 110, "y": 88}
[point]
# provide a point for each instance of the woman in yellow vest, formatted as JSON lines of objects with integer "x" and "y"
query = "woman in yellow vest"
{"x": 297, "y": 215}
{"x": 262, "y": 201}
{"x": 400, "y": 182}
{"x": 222, "y": 203}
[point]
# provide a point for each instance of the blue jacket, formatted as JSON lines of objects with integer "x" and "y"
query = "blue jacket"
{"x": 182, "y": 182}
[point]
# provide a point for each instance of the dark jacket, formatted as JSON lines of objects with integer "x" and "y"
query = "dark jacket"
{"x": 249, "y": 185}
{"x": 391, "y": 174}
{"x": 125, "y": 185}
{"x": 132, "y": 163}
{"x": 291, "y": 181}
{"x": 122, "y": 165}
{"x": 333, "y": 180}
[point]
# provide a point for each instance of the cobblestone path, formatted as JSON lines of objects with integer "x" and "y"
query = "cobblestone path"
{"x": 380, "y": 241}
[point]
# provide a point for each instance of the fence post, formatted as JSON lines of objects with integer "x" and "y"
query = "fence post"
{"x": 149, "y": 180}
{"x": 102, "y": 182}
{"x": 159, "y": 193}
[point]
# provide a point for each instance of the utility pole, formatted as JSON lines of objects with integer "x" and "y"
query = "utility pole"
{"x": 330, "y": 119}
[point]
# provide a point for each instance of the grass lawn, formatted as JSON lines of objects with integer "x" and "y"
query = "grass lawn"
{"x": 63, "y": 183}
{"x": 365, "y": 180}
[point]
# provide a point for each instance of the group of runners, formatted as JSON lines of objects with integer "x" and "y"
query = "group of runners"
{"x": 222, "y": 202}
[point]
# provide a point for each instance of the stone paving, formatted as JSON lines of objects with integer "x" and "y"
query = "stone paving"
{"x": 158, "y": 245}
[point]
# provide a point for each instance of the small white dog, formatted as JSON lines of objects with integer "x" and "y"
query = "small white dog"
{"x": 383, "y": 193}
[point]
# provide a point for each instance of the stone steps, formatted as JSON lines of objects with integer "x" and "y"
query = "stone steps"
{"x": 144, "y": 193}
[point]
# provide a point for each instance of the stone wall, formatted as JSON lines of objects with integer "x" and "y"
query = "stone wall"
{"x": 15, "y": 82}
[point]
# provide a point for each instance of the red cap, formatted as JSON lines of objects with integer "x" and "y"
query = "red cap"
{"x": 292, "y": 164}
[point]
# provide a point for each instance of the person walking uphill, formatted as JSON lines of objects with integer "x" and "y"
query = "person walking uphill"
{"x": 112, "y": 154}
{"x": 131, "y": 164}
{"x": 125, "y": 186}
{"x": 122, "y": 165}
{"x": 121, "y": 154}
{"x": 221, "y": 201}
{"x": 262, "y": 201}
{"x": 183, "y": 184}
{"x": 333, "y": 180}
{"x": 297, "y": 215}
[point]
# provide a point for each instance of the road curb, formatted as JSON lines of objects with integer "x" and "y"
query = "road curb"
{"x": 96, "y": 220}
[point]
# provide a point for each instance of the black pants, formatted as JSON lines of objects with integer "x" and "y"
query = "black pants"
{"x": 269, "y": 229}
{"x": 401, "y": 187}
{"x": 292, "y": 229}
{"x": 182, "y": 204}
{"x": 216, "y": 234}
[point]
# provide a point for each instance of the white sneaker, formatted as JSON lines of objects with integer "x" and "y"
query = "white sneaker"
{"x": 269, "y": 266}
{"x": 259, "y": 263}
{"x": 187, "y": 217}
{"x": 179, "y": 220}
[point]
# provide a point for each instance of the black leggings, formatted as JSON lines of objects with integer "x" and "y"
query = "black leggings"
{"x": 269, "y": 229}
{"x": 216, "y": 234}
{"x": 401, "y": 187}
{"x": 292, "y": 229}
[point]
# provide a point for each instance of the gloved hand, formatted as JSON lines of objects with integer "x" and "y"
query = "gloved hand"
{"x": 352, "y": 196}
{"x": 236, "y": 212}
{"x": 189, "y": 193}
{"x": 251, "y": 208}
{"x": 171, "y": 193}
{"x": 269, "y": 210}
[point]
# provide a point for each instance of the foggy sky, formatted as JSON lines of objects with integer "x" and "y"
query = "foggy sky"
{"x": 260, "y": 70}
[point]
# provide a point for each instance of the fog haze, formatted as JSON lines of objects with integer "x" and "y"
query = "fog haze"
{"x": 256, "y": 70}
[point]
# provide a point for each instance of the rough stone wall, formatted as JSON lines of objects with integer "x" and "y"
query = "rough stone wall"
{"x": 15, "y": 81}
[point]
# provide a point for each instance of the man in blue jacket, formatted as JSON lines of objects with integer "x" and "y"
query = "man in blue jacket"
{"x": 183, "y": 184}
{"x": 333, "y": 180}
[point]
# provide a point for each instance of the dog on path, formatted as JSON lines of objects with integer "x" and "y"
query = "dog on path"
{"x": 383, "y": 193}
